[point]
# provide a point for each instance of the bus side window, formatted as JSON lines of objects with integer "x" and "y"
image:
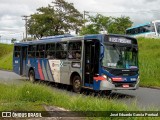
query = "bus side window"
{"x": 74, "y": 50}
{"x": 50, "y": 51}
{"x": 31, "y": 51}
{"x": 152, "y": 28}
{"x": 17, "y": 51}
{"x": 17, "y": 54}
{"x": 61, "y": 50}
{"x": 40, "y": 51}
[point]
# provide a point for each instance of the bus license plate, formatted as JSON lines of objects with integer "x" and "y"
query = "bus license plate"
{"x": 125, "y": 86}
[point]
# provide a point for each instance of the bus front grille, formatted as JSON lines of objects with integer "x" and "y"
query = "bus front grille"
{"x": 117, "y": 72}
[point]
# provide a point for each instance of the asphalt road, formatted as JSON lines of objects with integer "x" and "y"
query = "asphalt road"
{"x": 11, "y": 78}
{"x": 144, "y": 97}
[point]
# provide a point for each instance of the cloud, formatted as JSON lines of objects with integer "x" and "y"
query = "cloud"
{"x": 12, "y": 11}
{"x": 150, "y": 1}
{"x": 139, "y": 11}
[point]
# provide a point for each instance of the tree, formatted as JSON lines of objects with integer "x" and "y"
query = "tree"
{"x": 119, "y": 25}
{"x": 29, "y": 39}
{"x": 96, "y": 24}
{"x": 55, "y": 19}
{"x": 13, "y": 40}
{"x": 110, "y": 24}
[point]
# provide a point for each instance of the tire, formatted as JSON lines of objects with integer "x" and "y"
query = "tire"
{"x": 77, "y": 84}
{"x": 32, "y": 76}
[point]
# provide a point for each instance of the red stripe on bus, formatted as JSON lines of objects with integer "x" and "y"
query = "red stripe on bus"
{"x": 40, "y": 71}
{"x": 99, "y": 78}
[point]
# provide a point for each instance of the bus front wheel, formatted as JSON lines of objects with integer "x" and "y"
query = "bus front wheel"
{"x": 31, "y": 76}
{"x": 76, "y": 84}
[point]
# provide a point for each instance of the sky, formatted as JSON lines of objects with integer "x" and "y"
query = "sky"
{"x": 11, "y": 12}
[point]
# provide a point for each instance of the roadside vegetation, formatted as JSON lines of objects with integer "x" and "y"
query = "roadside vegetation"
{"x": 32, "y": 97}
{"x": 6, "y": 52}
{"x": 149, "y": 61}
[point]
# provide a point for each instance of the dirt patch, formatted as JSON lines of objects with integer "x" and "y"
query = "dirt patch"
{"x": 57, "y": 111}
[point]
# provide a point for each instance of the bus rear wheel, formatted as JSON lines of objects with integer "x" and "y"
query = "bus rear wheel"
{"x": 31, "y": 76}
{"x": 77, "y": 84}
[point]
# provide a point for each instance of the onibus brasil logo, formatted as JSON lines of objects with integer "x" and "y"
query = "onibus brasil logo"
{"x": 21, "y": 114}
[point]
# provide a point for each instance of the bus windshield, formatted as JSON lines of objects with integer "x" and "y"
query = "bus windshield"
{"x": 158, "y": 27}
{"x": 120, "y": 57}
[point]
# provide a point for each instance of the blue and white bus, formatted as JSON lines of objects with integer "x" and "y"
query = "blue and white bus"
{"x": 150, "y": 29}
{"x": 99, "y": 62}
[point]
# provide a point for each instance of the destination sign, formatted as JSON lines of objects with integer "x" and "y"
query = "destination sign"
{"x": 120, "y": 40}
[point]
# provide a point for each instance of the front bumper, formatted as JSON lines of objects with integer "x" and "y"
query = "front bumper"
{"x": 106, "y": 85}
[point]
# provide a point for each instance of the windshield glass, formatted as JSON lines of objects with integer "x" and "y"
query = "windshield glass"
{"x": 158, "y": 27}
{"x": 120, "y": 57}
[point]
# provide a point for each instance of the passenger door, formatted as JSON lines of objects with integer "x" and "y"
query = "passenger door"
{"x": 91, "y": 61}
{"x": 16, "y": 59}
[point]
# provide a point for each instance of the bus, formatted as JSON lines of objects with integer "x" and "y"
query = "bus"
{"x": 101, "y": 62}
{"x": 150, "y": 29}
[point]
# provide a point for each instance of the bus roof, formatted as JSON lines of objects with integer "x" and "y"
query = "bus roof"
{"x": 147, "y": 23}
{"x": 59, "y": 38}
{"x": 49, "y": 39}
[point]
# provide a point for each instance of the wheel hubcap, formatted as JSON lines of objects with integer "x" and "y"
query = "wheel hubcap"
{"x": 31, "y": 77}
{"x": 77, "y": 83}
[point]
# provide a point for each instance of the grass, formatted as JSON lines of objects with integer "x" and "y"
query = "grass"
{"x": 31, "y": 97}
{"x": 6, "y": 53}
{"x": 38, "y": 93}
{"x": 5, "y": 49}
{"x": 6, "y": 61}
{"x": 149, "y": 61}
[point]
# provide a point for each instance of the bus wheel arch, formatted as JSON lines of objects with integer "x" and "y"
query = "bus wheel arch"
{"x": 31, "y": 75}
{"x": 76, "y": 82}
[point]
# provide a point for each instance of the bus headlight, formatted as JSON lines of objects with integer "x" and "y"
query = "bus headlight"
{"x": 104, "y": 76}
{"x": 107, "y": 78}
